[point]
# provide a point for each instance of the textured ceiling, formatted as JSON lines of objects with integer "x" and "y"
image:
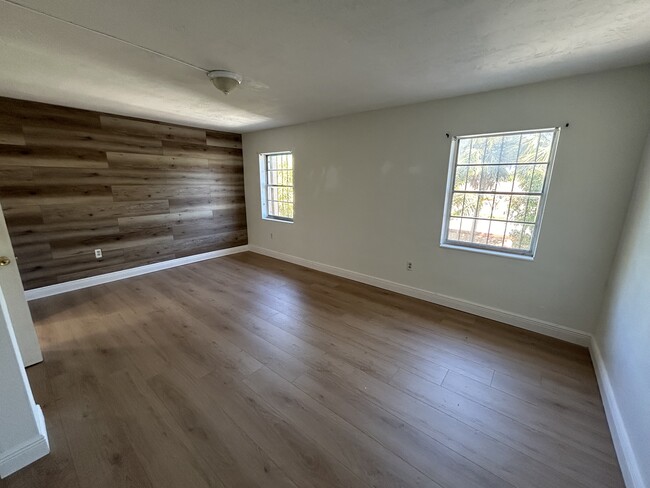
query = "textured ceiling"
{"x": 303, "y": 59}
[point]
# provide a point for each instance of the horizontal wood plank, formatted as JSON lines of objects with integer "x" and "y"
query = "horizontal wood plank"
{"x": 158, "y": 130}
{"x": 91, "y": 139}
{"x": 241, "y": 371}
{"x": 59, "y": 157}
{"x": 72, "y": 181}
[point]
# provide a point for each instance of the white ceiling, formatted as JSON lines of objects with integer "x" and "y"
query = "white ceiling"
{"x": 303, "y": 59}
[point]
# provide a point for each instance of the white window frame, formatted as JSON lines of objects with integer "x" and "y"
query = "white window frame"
{"x": 264, "y": 185}
{"x": 485, "y": 248}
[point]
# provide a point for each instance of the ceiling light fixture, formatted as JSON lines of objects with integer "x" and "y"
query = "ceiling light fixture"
{"x": 225, "y": 81}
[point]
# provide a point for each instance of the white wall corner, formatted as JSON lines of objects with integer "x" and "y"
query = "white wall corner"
{"x": 626, "y": 457}
{"x": 535, "y": 325}
{"x": 59, "y": 288}
{"x": 27, "y": 452}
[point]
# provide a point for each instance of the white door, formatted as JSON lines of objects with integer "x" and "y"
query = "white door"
{"x": 12, "y": 289}
{"x": 23, "y": 438}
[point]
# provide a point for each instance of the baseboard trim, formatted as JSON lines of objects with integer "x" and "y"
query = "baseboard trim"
{"x": 546, "y": 328}
{"x": 59, "y": 288}
{"x": 27, "y": 452}
{"x": 626, "y": 457}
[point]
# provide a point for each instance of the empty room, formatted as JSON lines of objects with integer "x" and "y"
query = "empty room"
{"x": 310, "y": 244}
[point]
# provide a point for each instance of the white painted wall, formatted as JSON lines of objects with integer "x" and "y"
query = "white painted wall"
{"x": 623, "y": 337}
{"x": 370, "y": 191}
{"x": 23, "y": 438}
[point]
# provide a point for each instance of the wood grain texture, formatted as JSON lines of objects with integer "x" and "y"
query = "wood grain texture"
{"x": 245, "y": 371}
{"x": 143, "y": 191}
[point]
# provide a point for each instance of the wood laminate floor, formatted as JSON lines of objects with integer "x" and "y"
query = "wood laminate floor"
{"x": 246, "y": 371}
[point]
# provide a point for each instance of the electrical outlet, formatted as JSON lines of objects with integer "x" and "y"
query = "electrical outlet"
{"x": 98, "y": 253}
{"x": 409, "y": 266}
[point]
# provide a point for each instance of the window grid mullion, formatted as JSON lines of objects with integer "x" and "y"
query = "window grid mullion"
{"x": 277, "y": 172}
{"x": 526, "y": 191}
{"x": 519, "y": 193}
{"x": 512, "y": 163}
{"x": 530, "y": 188}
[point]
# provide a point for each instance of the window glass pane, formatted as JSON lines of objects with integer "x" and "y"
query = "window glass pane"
{"x": 518, "y": 206}
{"x": 539, "y": 174}
{"x": 474, "y": 178}
{"x": 531, "y": 210}
{"x": 513, "y": 235}
{"x": 505, "y": 178}
{"x": 497, "y": 233}
{"x": 527, "y": 236}
{"x": 463, "y": 150}
{"x": 493, "y": 150}
{"x": 466, "y": 226}
{"x": 523, "y": 175}
{"x": 501, "y": 205}
{"x": 485, "y": 203}
{"x": 478, "y": 150}
{"x": 544, "y": 150}
{"x": 457, "y": 204}
{"x": 461, "y": 178}
{"x": 489, "y": 178}
{"x": 454, "y": 229}
{"x": 510, "y": 148}
{"x": 469, "y": 208}
{"x": 498, "y": 182}
{"x": 279, "y": 185}
{"x": 481, "y": 231}
{"x": 528, "y": 148}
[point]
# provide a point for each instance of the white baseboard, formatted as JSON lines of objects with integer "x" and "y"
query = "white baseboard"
{"x": 626, "y": 457}
{"x": 47, "y": 291}
{"x": 28, "y": 452}
{"x": 624, "y": 451}
{"x": 547, "y": 328}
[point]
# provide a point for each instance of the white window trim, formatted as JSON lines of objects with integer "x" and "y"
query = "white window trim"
{"x": 485, "y": 249}
{"x": 263, "y": 184}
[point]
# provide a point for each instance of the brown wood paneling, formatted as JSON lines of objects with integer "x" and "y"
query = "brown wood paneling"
{"x": 154, "y": 162}
{"x": 72, "y": 212}
{"x": 201, "y": 151}
{"x": 53, "y": 157}
{"x": 223, "y": 139}
{"x": 23, "y": 112}
{"x": 11, "y": 134}
{"x": 72, "y": 181}
{"x": 157, "y": 130}
{"x": 90, "y": 139}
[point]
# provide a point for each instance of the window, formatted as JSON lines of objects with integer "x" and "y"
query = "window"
{"x": 496, "y": 190}
{"x": 276, "y": 176}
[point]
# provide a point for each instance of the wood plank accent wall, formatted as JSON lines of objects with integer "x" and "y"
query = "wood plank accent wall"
{"x": 73, "y": 180}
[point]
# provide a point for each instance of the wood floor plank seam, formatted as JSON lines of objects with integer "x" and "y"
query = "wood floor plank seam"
{"x": 469, "y": 462}
{"x": 248, "y": 372}
{"x": 497, "y": 440}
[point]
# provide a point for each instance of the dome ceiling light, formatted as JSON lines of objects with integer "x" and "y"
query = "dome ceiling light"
{"x": 224, "y": 81}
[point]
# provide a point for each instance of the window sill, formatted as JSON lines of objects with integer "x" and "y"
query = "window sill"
{"x": 491, "y": 252}
{"x": 271, "y": 219}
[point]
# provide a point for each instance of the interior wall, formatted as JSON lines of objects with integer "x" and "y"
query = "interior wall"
{"x": 72, "y": 181}
{"x": 623, "y": 336}
{"x": 370, "y": 191}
